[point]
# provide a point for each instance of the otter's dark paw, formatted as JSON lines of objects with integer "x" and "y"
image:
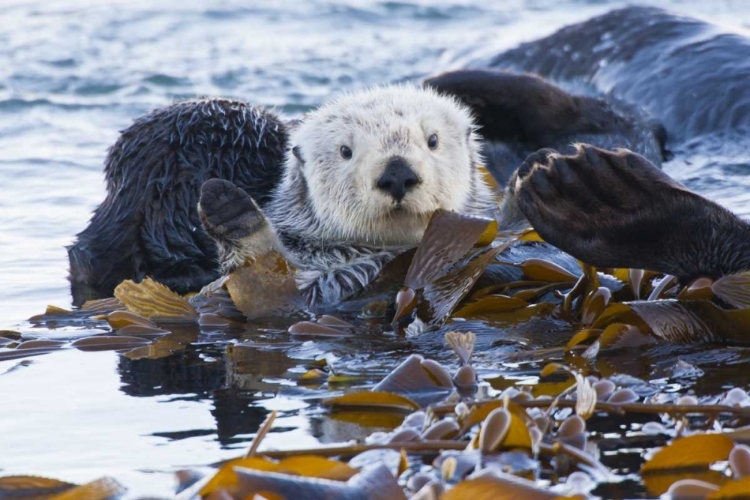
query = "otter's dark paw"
{"x": 233, "y": 219}
{"x": 616, "y": 209}
{"x": 227, "y": 212}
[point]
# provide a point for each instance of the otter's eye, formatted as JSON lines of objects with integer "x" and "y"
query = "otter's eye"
{"x": 346, "y": 152}
{"x": 432, "y": 142}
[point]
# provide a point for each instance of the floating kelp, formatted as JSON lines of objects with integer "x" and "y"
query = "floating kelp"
{"x": 681, "y": 321}
{"x": 433, "y": 285}
{"x": 109, "y": 343}
{"x": 687, "y": 457}
{"x": 376, "y": 483}
{"x": 446, "y": 277}
{"x": 103, "y": 305}
{"x": 489, "y": 305}
{"x": 161, "y": 348}
{"x": 265, "y": 288}
{"x": 440, "y": 297}
{"x": 121, "y": 319}
{"x": 28, "y": 348}
{"x": 734, "y": 289}
{"x": 32, "y": 486}
{"x": 155, "y": 302}
{"x": 414, "y": 375}
{"x": 490, "y": 448}
{"x": 473, "y": 442}
{"x": 373, "y": 400}
{"x": 42, "y": 488}
{"x": 228, "y": 478}
{"x": 317, "y": 329}
{"x": 542, "y": 270}
{"x": 448, "y": 238}
{"x": 503, "y": 430}
{"x": 498, "y": 485}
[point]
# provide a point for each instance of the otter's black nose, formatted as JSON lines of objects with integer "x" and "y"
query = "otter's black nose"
{"x": 398, "y": 178}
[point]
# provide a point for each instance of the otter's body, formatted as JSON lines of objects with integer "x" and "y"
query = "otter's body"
{"x": 689, "y": 75}
{"x": 148, "y": 224}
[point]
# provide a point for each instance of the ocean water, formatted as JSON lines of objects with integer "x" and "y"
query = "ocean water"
{"x": 74, "y": 73}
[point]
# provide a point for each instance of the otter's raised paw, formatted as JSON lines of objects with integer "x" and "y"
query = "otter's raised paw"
{"x": 233, "y": 219}
{"x": 616, "y": 209}
{"x": 228, "y": 212}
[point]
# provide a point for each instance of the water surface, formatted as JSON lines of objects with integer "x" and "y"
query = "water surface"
{"x": 74, "y": 73}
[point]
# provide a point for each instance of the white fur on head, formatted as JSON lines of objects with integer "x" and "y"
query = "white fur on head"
{"x": 378, "y": 124}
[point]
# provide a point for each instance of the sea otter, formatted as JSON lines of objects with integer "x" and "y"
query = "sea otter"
{"x": 356, "y": 180}
{"x": 363, "y": 175}
{"x": 148, "y": 224}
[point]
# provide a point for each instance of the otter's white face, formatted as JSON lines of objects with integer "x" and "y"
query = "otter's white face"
{"x": 379, "y": 162}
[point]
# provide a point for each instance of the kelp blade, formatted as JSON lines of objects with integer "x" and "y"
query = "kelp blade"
{"x": 265, "y": 288}
{"x": 376, "y": 483}
{"x": 441, "y": 296}
{"x": 448, "y": 237}
{"x": 155, "y": 302}
{"x": 681, "y": 321}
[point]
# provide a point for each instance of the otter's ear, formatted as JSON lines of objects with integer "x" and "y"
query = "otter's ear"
{"x": 298, "y": 154}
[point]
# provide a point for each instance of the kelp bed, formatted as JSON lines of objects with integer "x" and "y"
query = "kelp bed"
{"x": 491, "y": 419}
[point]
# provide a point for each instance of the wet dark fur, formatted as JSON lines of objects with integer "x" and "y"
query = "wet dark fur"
{"x": 148, "y": 224}
{"x": 520, "y": 113}
{"x": 684, "y": 72}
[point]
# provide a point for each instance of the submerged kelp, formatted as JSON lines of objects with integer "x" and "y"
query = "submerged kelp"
{"x": 462, "y": 425}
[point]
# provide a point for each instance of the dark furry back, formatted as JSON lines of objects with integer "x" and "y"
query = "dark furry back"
{"x": 148, "y": 224}
{"x": 686, "y": 73}
{"x": 520, "y": 113}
